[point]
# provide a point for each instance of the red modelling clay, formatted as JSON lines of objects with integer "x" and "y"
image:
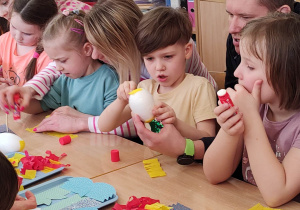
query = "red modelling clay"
{"x": 65, "y": 140}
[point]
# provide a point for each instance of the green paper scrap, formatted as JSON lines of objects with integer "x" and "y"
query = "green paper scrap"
{"x": 55, "y": 193}
{"x": 64, "y": 203}
{"x": 156, "y": 126}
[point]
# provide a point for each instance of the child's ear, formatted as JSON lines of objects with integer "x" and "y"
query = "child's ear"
{"x": 87, "y": 49}
{"x": 284, "y": 9}
{"x": 188, "y": 50}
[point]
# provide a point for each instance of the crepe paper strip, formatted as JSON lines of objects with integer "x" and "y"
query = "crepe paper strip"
{"x": 153, "y": 168}
{"x": 29, "y": 174}
{"x": 47, "y": 169}
{"x": 52, "y": 133}
{"x": 156, "y": 126}
{"x": 260, "y": 207}
{"x": 135, "y": 203}
{"x": 179, "y": 206}
{"x": 157, "y": 206}
{"x": 38, "y": 163}
{"x": 20, "y": 180}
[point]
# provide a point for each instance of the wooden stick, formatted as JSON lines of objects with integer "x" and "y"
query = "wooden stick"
{"x": 7, "y": 123}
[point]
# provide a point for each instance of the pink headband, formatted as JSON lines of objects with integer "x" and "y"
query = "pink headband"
{"x": 36, "y": 55}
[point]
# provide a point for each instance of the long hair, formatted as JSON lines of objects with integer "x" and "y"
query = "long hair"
{"x": 8, "y": 183}
{"x": 275, "y": 40}
{"x": 110, "y": 26}
{"x": 35, "y": 12}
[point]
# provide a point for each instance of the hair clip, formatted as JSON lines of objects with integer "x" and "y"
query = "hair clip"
{"x": 76, "y": 11}
{"x": 79, "y": 22}
{"x": 66, "y": 12}
{"x": 77, "y": 30}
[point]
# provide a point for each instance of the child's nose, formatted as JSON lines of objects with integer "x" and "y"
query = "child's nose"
{"x": 160, "y": 67}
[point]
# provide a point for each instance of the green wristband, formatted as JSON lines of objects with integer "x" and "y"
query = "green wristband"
{"x": 189, "y": 147}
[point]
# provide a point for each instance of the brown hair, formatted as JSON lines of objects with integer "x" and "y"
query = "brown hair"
{"x": 273, "y": 5}
{"x": 275, "y": 39}
{"x": 70, "y": 27}
{"x": 162, "y": 27}
{"x": 8, "y": 183}
{"x": 110, "y": 27}
{"x": 35, "y": 12}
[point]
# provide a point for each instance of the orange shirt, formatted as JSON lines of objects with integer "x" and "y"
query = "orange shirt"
{"x": 13, "y": 65}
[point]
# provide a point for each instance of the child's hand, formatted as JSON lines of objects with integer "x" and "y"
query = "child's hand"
{"x": 230, "y": 119}
{"x": 7, "y": 97}
{"x": 164, "y": 113}
{"x": 124, "y": 89}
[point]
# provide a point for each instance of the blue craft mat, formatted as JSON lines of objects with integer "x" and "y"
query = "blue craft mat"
{"x": 54, "y": 183}
{"x": 39, "y": 174}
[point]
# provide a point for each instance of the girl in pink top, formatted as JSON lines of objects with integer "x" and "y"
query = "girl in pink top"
{"x": 21, "y": 55}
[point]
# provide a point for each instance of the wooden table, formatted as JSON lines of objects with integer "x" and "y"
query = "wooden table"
{"x": 88, "y": 154}
{"x": 186, "y": 185}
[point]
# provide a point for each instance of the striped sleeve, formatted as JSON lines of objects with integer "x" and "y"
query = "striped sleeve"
{"x": 196, "y": 67}
{"x": 127, "y": 129}
{"x": 42, "y": 81}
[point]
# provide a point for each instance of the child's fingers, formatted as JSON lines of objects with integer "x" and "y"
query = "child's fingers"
{"x": 237, "y": 128}
{"x": 221, "y": 108}
{"x": 225, "y": 115}
{"x": 231, "y": 122}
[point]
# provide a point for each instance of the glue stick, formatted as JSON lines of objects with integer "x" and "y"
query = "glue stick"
{"x": 224, "y": 97}
{"x": 16, "y": 112}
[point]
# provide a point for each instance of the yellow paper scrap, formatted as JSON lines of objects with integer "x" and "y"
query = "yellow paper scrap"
{"x": 17, "y": 171}
{"x": 157, "y": 206}
{"x": 14, "y": 161}
{"x": 260, "y": 207}
{"x": 153, "y": 168}
{"x": 29, "y": 174}
{"x": 54, "y": 162}
{"x": 53, "y": 133}
{"x": 21, "y": 188}
{"x": 47, "y": 169}
{"x": 18, "y": 156}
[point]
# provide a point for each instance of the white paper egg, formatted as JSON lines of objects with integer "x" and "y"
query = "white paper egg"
{"x": 10, "y": 142}
{"x": 141, "y": 103}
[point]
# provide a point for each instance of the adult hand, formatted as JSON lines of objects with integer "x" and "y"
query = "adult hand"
{"x": 168, "y": 141}
{"x": 64, "y": 120}
{"x": 24, "y": 204}
{"x": 164, "y": 113}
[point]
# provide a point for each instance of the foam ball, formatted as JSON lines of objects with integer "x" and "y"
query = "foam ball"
{"x": 10, "y": 142}
{"x": 141, "y": 103}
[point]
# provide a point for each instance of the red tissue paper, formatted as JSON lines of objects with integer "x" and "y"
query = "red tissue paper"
{"x": 135, "y": 203}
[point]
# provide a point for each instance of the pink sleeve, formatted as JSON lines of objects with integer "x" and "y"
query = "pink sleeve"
{"x": 42, "y": 81}
{"x": 127, "y": 129}
{"x": 196, "y": 67}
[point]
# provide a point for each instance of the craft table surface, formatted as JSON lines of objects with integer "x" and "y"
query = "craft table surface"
{"x": 88, "y": 154}
{"x": 186, "y": 185}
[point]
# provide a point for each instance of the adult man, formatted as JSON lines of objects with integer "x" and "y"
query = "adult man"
{"x": 240, "y": 12}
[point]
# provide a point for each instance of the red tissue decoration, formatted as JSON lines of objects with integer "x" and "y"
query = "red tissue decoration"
{"x": 135, "y": 203}
{"x": 38, "y": 162}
